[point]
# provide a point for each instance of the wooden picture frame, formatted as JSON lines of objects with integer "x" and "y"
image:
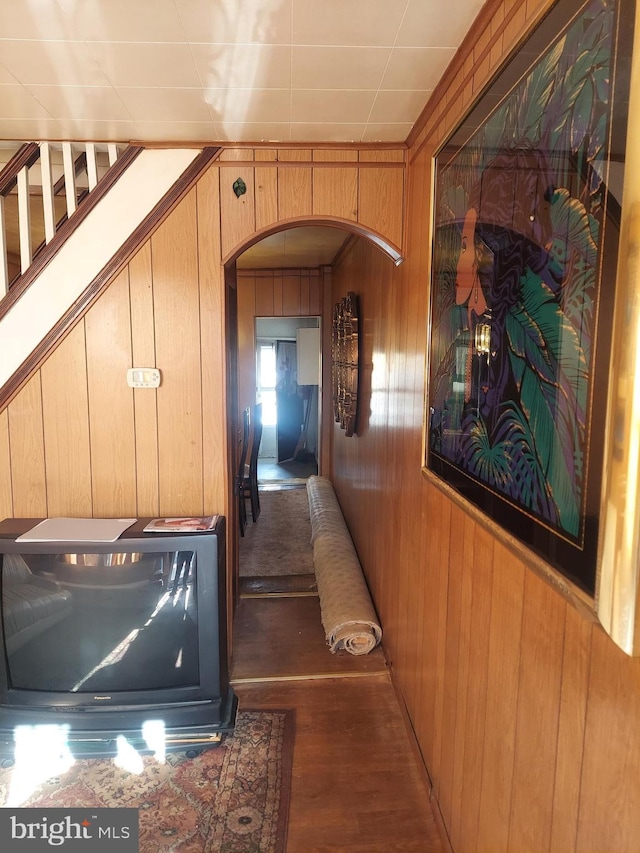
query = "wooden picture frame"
{"x": 345, "y": 362}
{"x": 527, "y": 218}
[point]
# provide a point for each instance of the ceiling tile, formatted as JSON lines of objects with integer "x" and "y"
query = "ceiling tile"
{"x": 331, "y": 105}
{"x": 249, "y": 105}
{"x": 243, "y": 65}
{"x": 424, "y": 25}
{"x": 53, "y": 62}
{"x": 136, "y": 64}
{"x": 165, "y": 104}
{"x": 342, "y": 70}
{"x": 16, "y": 102}
{"x": 386, "y": 132}
{"x": 176, "y": 131}
{"x": 338, "y": 67}
{"x": 416, "y": 67}
{"x": 295, "y": 247}
{"x": 27, "y": 20}
{"x": 30, "y": 128}
{"x": 97, "y": 130}
{"x": 123, "y": 20}
{"x": 312, "y": 246}
{"x": 229, "y": 131}
{"x": 265, "y": 254}
{"x": 81, "y": 102}
{"x": 347, "y": 23}
{"x": 393, "y": 106}
{"x": 230, "y": 21}
{"x": 326, "y": 132}
{"x": 7, "y": 77}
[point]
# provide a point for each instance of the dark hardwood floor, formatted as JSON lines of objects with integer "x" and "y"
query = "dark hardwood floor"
{"x": 270, "y": 471}
{"x": 357, "y": 784}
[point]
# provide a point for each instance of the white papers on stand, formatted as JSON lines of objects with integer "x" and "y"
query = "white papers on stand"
{"x": 77, "y": 530}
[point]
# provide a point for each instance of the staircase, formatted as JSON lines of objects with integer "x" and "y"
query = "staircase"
{"x": 70, "y": 215}
{"x": 43, "y": 186}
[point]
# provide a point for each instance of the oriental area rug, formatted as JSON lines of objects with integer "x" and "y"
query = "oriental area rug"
{"x": 233, "y": 798}
{"x": 279, "y": 542}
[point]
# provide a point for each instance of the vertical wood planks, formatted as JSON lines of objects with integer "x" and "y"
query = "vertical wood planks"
{"x": 65, "y": 410}
{"x": 6, "y": 499}
{"x": 507, "y": 595}
{"x": 277, "y": 294}
{"x": 111, "y": 423}
{"x": 463, "y": 529}
{"x": 28, "y": 477}
{"x": 609, "y": 817}
{"x": 264, "y": 297}
{"x": 213, "y": 345}
{"x": 537, "y": 717}
{"x": 294, "y": 185}
{"x": 571, "y": 728}
{"x": 316, "y": 291}
{"x": 237, "y": 213}
{"x": 266, "y": 190}
{"x": 335, "y": 191}
{"x": 145, "y": 400}
{"x": 258, "y": 293}
{"x": 456, "y": 654}
{"x": 482, "y": 558}
{"x": 380, "y": 195}
{"x": 291, "y": 295}
{"x": 176, "y": 301}
{"x": 246, "y": 342}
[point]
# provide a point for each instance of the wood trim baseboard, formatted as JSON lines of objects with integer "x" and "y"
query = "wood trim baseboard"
{"x": 111, "y": 269}
{"x": 415, "y": 748}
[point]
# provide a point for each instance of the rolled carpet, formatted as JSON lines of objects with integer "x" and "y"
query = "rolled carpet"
{"x": 348, "y": 616}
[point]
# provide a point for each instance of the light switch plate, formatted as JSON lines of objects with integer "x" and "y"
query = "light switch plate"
{"x": 143, "y": 377}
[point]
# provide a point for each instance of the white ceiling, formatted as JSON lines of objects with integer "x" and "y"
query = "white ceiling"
{"x": 223, "y": 70}
{"x": 306, "y": 246}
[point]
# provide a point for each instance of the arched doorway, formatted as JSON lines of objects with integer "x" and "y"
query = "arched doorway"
{"x": 283, "y": 274}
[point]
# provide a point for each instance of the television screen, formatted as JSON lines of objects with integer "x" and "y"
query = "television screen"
{"x": 98, "y": 623}
{"x": 102, "y": 636}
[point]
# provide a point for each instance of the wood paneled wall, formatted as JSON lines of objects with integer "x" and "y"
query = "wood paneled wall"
{"x": 281, "y": 293}
{"x": 270, "y": 293}
{"x": 80, "y": 441}
{"x": 362, "y": 187}
{"x": 525, "y": 711}
{"x": 77, "y": 441}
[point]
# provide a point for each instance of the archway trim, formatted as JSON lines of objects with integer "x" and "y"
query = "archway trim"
{"x": 389, "y": 248}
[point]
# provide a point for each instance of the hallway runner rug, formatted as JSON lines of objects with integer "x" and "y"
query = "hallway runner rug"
{"x": 233, "y": 797}
{"x": 279, "y": 542}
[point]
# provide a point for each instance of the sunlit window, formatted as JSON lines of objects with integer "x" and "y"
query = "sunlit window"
{"x": 266, "y": 373}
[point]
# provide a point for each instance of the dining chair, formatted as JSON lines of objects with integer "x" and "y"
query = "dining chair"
{"x": 240, "y": 476}
{"x": 250, "y": 478}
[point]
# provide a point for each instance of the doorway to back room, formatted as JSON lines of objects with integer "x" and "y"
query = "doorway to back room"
{"x": 287, "y": 385}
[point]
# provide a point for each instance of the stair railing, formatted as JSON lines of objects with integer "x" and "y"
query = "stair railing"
{"x": 41, "y": 187}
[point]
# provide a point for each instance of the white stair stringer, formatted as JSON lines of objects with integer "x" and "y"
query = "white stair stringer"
{"x": 92, "y": 245}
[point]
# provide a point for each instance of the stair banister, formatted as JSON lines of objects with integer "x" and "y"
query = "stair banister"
{"x": 56, "y": 168}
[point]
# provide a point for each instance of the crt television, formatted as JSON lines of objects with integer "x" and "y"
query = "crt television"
{"x": 106, "y": 638}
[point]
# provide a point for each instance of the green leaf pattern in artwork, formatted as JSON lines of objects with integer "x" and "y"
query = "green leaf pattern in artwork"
{"x": 533, "y": 449}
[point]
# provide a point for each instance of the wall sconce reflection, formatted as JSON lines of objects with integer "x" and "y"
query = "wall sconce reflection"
{"x": 483, "y": 339}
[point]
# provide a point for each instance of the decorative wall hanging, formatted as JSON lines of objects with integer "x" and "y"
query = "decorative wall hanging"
{"x": 239, "y": 187}
{"x": 526, "y": 232}
{"x": 345, "y": 362}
